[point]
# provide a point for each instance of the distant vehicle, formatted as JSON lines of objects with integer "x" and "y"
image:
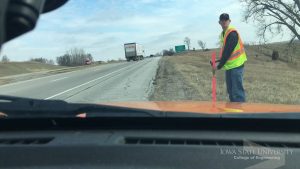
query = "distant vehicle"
{"x": 134, "y": 51}
{"x": 151, "y": 56}
{"x": 88, "y": 61}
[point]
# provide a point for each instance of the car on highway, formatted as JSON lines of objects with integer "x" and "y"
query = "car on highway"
{"x": 88, "y": 62}
{"x": 157, "y": 113}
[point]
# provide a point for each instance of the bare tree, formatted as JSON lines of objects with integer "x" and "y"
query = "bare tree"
{"x": 40, "y": 60}
{"x": 4, "y": 59}
{"x": 273, "y": 15}
{"x": 50, "y": 62}
{"x": 74, "y": 57}
{"x": 202, "y": 44}
{"x": 290, "y": 52}
{"x": 187, "y": 41}
{"x": 169, "y": 52}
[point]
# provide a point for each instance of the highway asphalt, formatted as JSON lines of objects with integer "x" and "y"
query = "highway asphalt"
{"x": 125, "y": 81}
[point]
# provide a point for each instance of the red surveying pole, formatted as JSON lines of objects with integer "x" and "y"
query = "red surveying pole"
{"x": 214, "y": 80}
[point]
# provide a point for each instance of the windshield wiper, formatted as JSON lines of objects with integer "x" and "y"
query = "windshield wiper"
{"x": 19, "y": 107}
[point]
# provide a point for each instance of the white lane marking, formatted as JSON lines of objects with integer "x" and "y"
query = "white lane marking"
{"x": 24, "y": 81}
{"x": 85, "y": 83}
{"x": 59, "y": 79}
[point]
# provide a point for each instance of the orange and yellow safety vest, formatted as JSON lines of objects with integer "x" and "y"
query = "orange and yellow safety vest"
{"x": 238, "y": 56}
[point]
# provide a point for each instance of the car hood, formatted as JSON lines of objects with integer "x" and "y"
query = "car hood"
{"x": 209, "y": 107}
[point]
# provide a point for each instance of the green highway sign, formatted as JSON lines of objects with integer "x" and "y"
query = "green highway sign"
{"x": 180, "y": 48}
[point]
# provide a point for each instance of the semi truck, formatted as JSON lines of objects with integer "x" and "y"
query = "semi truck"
{"x": 134, "y": 51}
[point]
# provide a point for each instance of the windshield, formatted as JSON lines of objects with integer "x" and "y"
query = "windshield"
{"x": 170, "y": 55}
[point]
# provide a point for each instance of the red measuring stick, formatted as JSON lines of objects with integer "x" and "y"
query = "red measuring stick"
{"x": 214, "y": 80}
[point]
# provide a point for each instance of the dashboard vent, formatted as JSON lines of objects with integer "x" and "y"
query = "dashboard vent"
{"x": 25, "y": 141}
{"x": 205, "y": 142}
{"x": 164, "y": 141}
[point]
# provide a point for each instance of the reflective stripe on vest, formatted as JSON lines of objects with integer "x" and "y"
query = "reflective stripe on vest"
{"x": 236, "y": 54}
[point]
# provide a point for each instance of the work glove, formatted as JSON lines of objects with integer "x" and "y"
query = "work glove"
{"x": 212, "y": 63}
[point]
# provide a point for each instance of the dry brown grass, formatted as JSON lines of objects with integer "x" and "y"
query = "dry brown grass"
{"x": 25, "y": 70}
{"x": 265, "y": 81}
{"x": 14, "y": 68}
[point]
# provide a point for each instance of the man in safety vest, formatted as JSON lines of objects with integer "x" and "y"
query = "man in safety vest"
{"x": 232, "y": 59}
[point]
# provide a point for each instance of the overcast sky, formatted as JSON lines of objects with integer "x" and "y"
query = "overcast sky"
{"x": 101, "y": 27}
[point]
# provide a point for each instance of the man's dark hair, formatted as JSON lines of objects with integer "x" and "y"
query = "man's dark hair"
{"x": 224, "y": 17}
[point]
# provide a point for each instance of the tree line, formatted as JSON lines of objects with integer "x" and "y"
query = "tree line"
{"x": 72, "y": 57}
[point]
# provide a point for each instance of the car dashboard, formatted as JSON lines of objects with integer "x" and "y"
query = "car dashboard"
{"x": 158, "y": 143}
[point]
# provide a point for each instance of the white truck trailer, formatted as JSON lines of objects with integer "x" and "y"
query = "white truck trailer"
{"x": 134, "y": 51}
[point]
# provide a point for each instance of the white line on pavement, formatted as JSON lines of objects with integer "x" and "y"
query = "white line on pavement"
{"x": 59, "y": 79}
{"x": 44, "y": 77}
{"x": 85, "y": 83}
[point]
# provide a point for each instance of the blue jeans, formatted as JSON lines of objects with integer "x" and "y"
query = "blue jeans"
{"x": 234, "y": 83}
